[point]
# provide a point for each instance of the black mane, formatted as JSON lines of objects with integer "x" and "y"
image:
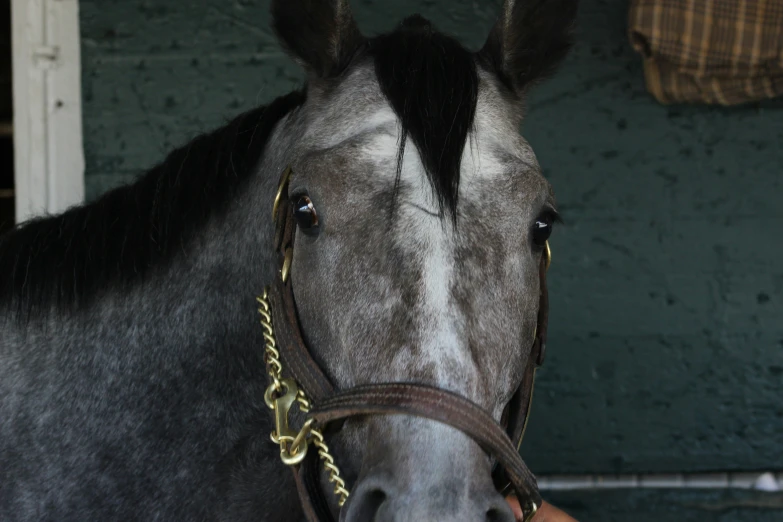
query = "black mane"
{"x": 66, "y": 258}
{"x": 431, "y": 83}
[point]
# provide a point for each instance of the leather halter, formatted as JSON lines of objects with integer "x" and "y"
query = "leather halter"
{"x": 331, "y": 405}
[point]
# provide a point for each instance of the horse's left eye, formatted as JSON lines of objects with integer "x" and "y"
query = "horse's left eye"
{"x": 306, "y": 216}
{"x": 542, "y": 229}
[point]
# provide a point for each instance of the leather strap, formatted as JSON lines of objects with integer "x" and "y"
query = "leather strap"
{"x": 293, "y": 351}
{"x": 296, "y": 357}
{"x": 436, "y": 404}
{"x": 311, "y": 497}
{"x": 519, "y": 407}
{"x": 518, "y": 410}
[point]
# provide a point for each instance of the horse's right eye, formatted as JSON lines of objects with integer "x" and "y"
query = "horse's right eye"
{"x": 306, "y": 216}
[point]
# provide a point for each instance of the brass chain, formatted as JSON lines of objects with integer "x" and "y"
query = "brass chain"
{"x": 279, "y": 396}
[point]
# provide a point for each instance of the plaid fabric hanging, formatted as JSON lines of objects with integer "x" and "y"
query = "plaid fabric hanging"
{"x": 723, "y": 52}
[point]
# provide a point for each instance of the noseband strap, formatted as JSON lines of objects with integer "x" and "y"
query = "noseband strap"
{"x": 439, "y": 405}
{"x": 330, "y": 406}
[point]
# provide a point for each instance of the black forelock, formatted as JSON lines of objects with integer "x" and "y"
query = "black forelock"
{"x": 431, "y": 83}
{"x": 65, "y": 259}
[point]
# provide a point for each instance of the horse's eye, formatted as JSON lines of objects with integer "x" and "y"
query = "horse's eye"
{"x": 306, "y": 216}
{"x": 542, "y": 230}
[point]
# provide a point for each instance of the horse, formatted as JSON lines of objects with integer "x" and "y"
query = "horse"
{"x": 137, "y": 339}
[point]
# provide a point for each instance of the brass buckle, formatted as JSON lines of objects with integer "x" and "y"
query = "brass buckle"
{"x": 293, "y": 445}
{"x": 280, "y": 189}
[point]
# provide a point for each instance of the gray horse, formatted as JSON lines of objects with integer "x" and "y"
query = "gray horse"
{"x": 132, "y": 370}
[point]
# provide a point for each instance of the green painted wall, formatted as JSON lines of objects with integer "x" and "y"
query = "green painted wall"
{"x": 666, "y": 348}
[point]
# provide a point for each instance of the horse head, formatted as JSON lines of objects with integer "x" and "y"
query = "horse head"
{"x": 422, "y": 218}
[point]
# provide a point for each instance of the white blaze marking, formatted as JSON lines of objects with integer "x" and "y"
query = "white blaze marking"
{"x": 431, "y": 239}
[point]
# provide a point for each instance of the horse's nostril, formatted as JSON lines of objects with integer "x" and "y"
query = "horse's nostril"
{"x": 365, "y": 507}
{"x": 500, "y": 512}
{"x": 495, "y": 515}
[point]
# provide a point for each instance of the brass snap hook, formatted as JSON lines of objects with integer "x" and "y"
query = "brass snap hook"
{"x": 293, "y": 445}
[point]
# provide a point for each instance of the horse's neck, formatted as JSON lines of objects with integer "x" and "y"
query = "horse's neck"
{"x": 194, "y": 325}
{"x": 203, "y": 294}
{"x": 166, "y": 369}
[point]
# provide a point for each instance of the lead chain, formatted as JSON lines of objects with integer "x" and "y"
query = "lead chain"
{"x": 275, "y": 369}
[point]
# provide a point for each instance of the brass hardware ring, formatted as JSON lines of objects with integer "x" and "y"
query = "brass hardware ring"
{"x": 286, "y": 270}
{"x": 547, "y": 255}
{"x": 533, "y": 507}
{"x": 280, "y": 188}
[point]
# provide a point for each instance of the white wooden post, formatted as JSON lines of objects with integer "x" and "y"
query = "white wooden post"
{"x": 49, "y": 155}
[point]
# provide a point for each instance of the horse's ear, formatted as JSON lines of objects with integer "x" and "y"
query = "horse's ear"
{"x": 320, "y": 34}
{"x": 529, "y": 40}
